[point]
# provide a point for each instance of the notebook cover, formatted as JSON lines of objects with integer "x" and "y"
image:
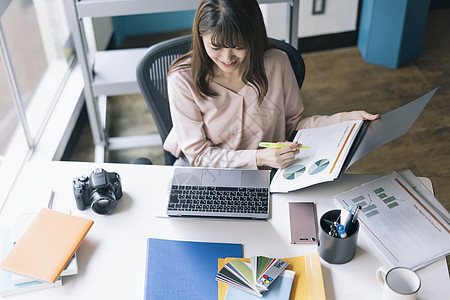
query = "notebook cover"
{"x": 21, "y": 223}
{"x": 7, "y": 287}
{"x": 47, "y": 245}
{"x": 184, "y": 270}
{"x": 388, "y": 127}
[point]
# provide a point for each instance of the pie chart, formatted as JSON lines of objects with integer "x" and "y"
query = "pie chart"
{"x": 294, "y": 172}
{"x": 318, "y": 166}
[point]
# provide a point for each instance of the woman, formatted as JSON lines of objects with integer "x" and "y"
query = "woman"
{"x": 233, "y": 90}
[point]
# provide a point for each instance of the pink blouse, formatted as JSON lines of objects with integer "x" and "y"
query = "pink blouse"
{"x": 224, "y": 131}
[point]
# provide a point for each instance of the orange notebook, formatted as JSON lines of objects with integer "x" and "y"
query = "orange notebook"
{"x": 47, "y": 245}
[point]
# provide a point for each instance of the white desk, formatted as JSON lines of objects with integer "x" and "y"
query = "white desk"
{"x": 112, "y": 257}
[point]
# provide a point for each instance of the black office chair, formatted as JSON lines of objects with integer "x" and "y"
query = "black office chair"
{"x": 152, "y": 72}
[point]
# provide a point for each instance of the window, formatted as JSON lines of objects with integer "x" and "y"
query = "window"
{"x": 36, "y": 56}
{"x": 8, "y": 116}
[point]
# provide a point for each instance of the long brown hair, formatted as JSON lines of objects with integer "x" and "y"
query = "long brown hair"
{"x": 231, "y": 23}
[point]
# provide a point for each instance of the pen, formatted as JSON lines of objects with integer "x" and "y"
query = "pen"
{"x": 355, "y": 215}
{"x": 354, "y": 219}
{"x": 350, "y": 210}
{"x": 276, "y": 145}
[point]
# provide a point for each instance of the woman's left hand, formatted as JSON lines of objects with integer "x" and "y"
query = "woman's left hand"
{"x": 358, "y": 115}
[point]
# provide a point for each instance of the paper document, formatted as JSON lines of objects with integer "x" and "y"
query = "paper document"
{"x": 397, "y": 219}
{"x": 336, "y": 147}
{"x": 323, "y": 162}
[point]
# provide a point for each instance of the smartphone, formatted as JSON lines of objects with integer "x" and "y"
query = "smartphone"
{"x": 303, "y": 222}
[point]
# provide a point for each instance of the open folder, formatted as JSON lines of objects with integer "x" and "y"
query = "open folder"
{"x": 334, "y": 148}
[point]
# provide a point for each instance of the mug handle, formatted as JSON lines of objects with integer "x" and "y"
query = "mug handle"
{"x": 381, "y": 274}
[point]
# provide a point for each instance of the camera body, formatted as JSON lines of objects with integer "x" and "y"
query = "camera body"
{"x": 100, "y": 190}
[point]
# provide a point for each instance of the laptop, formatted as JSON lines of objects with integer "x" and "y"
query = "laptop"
{"x": 219, "y": 193}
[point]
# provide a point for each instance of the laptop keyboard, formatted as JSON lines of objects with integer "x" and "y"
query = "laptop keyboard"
{"x": 231, "y": 200}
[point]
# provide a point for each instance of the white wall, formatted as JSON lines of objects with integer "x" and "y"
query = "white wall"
{"x": 339, "y": 16}
{"x": 275, "y": 18}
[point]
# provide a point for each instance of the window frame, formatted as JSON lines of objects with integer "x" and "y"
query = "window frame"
{"x": 53, "y": 132}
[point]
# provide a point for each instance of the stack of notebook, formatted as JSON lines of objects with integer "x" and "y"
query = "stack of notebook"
{"x": 39, "y": 250}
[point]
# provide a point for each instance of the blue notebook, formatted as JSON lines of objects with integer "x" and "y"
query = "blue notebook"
{"x": 184, "y": 270}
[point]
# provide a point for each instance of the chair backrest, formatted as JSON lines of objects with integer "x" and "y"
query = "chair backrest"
{"x": 152, "y": 72}
{"x": 151, "y": 76}
{"x": 295, "y": 58}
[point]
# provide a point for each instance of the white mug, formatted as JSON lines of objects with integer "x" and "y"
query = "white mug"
{"x": 398, "y": 283}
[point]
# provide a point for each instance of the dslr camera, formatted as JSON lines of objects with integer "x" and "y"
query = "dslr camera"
{"x": 100, "y": 190}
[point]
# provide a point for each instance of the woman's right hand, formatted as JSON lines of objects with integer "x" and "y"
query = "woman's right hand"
{"x": 277, "y": 158}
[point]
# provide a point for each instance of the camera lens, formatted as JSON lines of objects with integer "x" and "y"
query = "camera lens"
{"x": 103, "y": 201}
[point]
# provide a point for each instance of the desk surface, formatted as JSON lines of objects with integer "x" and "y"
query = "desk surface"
{"x": 112, "y": 256}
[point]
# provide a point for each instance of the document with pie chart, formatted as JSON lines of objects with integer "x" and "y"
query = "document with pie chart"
{"x": 334, "y": 148}
{"x": 329, "y": 146}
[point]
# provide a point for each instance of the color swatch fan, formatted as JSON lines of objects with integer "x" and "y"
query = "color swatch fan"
{"x": 255, "y": 277}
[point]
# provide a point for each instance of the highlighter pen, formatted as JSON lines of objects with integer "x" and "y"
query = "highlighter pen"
{"x": 276, "y": 145}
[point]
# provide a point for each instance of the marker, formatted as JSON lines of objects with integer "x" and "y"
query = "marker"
{"x": 341, "y": 231}
{"x": 345, "y": 217}
{"x": 277, "y": 146}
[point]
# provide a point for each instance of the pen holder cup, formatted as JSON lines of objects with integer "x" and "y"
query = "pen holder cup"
{"x": 336, "y": 250}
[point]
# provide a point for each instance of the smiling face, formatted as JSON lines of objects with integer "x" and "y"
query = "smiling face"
{"x": 227, "y": 59}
